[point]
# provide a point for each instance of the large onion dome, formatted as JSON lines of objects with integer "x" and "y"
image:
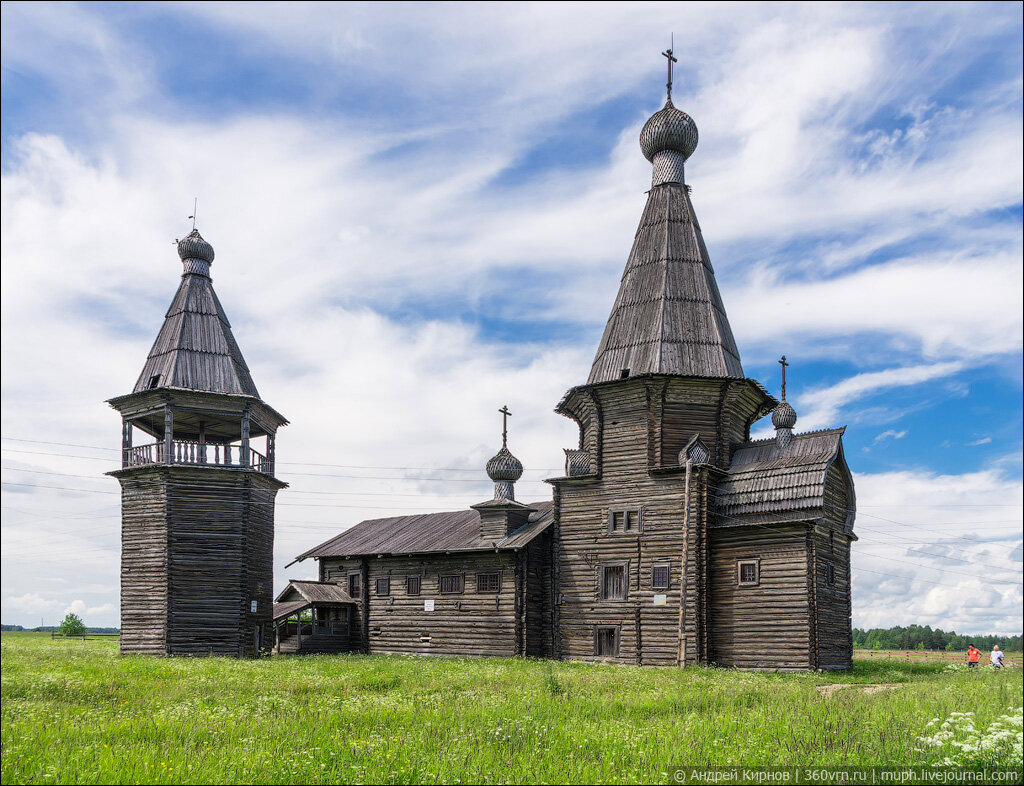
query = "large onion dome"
{"x": 196, "y": 254}
{"x": 668, "y": 129}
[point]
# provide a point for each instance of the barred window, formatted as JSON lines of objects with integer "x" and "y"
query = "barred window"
{"x": 412, "y": 585}
{"x": 488, "y": 582}
{"x": 748, "y": 572}
{"x": 450, "y": 585}
{"x": 613, "y": 582}
{"x": 660, "y": 577}
{"x": 355, "y": 585}
{"x": 384, "y": 586}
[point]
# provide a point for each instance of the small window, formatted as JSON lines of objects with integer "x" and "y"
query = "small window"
{"x": 450, "y": 585}
{"x": 606, "y": 642}
{"x": 628, "y": 520}
{"x": 660, "y": 577}
{"x": 831, "y": 541}
{"x": 613, "y": 582}
{"x": 412, "y": 585}
{"x": 355, "y": 585}
{"x": 830, "y": 573}
{"x": 624, "y": 374}
{"x": 154, "y": 381}
{"x": 384, "y": 586}
{"x": 488, "y": 582}
{"x": 748, "y": 572}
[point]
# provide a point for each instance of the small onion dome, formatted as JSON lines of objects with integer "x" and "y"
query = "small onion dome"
{"x": 784, "y": 416}
{"x": 194, "y": 247}
{"x": 669, "y": 129}
{"x": 505, "y": 467}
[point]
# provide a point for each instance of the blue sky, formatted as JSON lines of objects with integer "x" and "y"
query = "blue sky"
{"x": 444, "y": 196}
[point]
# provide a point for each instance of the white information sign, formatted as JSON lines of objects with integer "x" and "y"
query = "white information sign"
{"x": 428, "y": 605}
{"x": 660, "y": 600}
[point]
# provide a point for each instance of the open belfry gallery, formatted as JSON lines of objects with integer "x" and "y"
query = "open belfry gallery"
{"x": 671, "y": 539}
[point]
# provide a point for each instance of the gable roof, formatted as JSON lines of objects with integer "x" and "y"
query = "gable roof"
{"x": 195, "y": 348}
{"x": 668, "y": 317}
{"x": 313, "y": 592}
{"x": 768, "y": 482}
{"x": 428, "y": 532}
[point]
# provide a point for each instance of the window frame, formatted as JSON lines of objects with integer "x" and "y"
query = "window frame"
{"x": 830, "y": 573}
{"x": 668, "y": 576}
{"x": 355, "y": 578}
{"x": 386, "y": 584}
{"x": 419, "y": 585}
{"x": 624, "y": 512}
{"x": 740, "y": 564}
{"x": 496, "y": 575}
{"x": 460, "y": 579}
{"x": 602, "y": 583}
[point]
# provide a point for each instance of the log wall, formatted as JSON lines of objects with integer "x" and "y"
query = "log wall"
{"x": 215, "y": 539}
{"x": 832, "y": 546}
{"x": 767, "y": 626}
{"x": 513, "y": 621}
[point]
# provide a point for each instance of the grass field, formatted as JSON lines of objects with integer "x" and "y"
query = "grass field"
{"x": 77, "y": 712}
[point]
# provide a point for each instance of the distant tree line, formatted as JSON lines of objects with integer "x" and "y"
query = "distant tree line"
{"x": 923, "y": 637}
{"x": 52, "y": 628}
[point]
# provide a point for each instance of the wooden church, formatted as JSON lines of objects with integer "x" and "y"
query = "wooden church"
{"x": 671, "y": 539}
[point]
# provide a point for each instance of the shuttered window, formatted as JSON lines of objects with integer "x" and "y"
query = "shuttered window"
{"x": 384, "y": 586}
{"x": 606, "y": 642}
{"x": 355, "y": 585}
{"x": 613, "y": 582}
{"x": 660, "y": 577}
{"x": 412, "y": 585}
{"x": 450, "y": 585}
{"x": 488, "y": 582}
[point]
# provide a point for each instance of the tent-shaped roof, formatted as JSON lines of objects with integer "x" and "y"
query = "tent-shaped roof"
{"x": 668, "y": 317}
{"x": 195, "y": 348}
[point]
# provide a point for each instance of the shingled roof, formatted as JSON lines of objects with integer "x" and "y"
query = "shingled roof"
{"x": 428, "y": 532}
{"x": 766, "y": 482}
{"x": 195, "y": 348}
{"x": 299, "y": 595}
{"x": 668, "y": 317}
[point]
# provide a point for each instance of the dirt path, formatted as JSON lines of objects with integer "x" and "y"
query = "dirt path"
{"x": 828, "y": 690}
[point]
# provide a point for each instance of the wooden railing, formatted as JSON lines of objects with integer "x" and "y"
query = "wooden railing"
{"x": 197, "y": 454}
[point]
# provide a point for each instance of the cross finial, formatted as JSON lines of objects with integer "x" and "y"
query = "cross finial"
{"x": 195, "y": 211}
{"x": 505, "y": 414}
{"x": 783, "y": 363}
{"x": 667, "y": 54}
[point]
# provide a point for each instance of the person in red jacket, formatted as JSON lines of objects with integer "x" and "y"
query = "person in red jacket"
{"x": 973, "y": 653}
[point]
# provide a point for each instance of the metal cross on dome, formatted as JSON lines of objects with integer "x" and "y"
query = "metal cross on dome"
{"x": 783, "y": 363}
{"x": 505, "y": 415}
{"x": 667, "y": 54}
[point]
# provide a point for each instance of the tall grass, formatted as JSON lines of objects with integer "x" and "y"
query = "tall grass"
{"x": 78, "y": 712}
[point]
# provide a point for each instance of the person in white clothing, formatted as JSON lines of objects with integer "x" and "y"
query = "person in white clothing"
{"x": 996, "y": 657}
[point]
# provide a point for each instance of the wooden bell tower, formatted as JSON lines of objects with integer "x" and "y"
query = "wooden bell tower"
{"x": 197, "y": 485}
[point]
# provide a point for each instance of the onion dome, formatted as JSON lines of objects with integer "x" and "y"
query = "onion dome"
{"x": 668, "y": 129}
{"x": 195, "y": 253}
{"x": 504, "y": 467}
{"x": 784, "y": 416}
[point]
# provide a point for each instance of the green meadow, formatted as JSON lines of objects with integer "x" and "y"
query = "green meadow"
{"x": 78, "y": 712}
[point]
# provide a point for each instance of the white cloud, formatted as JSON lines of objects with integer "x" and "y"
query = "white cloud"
{"x": 890, "y": 434}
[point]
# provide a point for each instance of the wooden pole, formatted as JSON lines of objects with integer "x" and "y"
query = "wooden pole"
{"x": 168, "y": 435}
{"x": 681, "y": 655}
{"x": 243, "y": 459}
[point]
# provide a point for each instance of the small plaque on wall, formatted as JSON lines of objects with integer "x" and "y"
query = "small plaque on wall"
{"x": 253, "y": 606}
{"x": 428, "y": 605}
{"x": 660, "y": 600}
